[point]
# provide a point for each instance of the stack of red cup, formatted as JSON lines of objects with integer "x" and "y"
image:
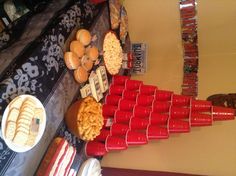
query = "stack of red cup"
{"x": 135, "y": 113}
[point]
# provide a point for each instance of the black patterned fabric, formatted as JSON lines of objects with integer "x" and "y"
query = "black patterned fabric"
{"x": 38, "y": 69}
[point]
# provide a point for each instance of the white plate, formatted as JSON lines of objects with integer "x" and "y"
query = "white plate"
{"x": 90, "y": 167}
{"x": 42, "y": 126}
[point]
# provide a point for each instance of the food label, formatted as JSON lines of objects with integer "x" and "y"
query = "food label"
{"x": 139, "y": 58}
{"x": 102, "y": 77}
{"x": 95, "y": 87}
{"x": 86, "y": 91}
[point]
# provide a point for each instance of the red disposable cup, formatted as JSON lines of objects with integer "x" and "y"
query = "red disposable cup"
{"x": 201, "y": 106}
{"x": 179, "y": 112}
{"x": 133, "y": 84}
{"x": 138, "y": 123}
{"x": 108, "y": 110}
{"x": 126, "y": 105}
{"x": 122, "y": 116}
{"x": 112, "y": 99}
{"x": 178, "y": 126}
{"x": 119, "y": 129}
{"x": 135, "y": 138}
{"x": 161, "y": 106}
{"x": 130, "y": 95}
{"x": 180, "y": 100}
{"x": 103, "y": 135}
{"x": 147, "y": 89}
{"x": 198, "y": 119}
{"x": 145, "y": 100}
{"x": 158, "y": 119}
{"x": 141, "y": 111}
{"x": 97, "y": 1}
{"x": 119, "y": 79}
{"x": 222, "y": 113}
{"x": 156, "y": 132}
{"x": 115, "y": 143}
{"x": 116, "y": 90}
{"x": 163, "y": 95}
{"x": 94, "y": 148}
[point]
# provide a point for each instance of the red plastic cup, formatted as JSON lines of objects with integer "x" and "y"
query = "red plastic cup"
{"x": 130, "y": 95}
{"x": 122, "y": 116}
{"x": 141, "y": 111}
{"x": 163, "y": 95}
{"x": 200, "y": 119}
{"x": 135, "y": 138}
{"x": 145, "y": 100}
{"x": 103, "y": 135}
{"x": 147, "y": 89}
{"x": 222, "y": 113}
{"x": 97, "y": 1}
{"x": 116, "y": 90}
{"x": 161, "y": 106}
{"x": 179, "y": 113}
{"x": 112, "y": 100}
{"x": 178, "y": 126}
{"x": 133, "y": 84}
{"x": 156, "y": 132}
{"x": 108, "y": 110}
{"x": 119, "y": 80}
{"x": 126, "y": 105}
{"x": 115, "y": 143}
{"x": 138, "y": 123}
{"x": 180, "y": 100}
{"x": 158, "y": 119}
{"x": 118, "y": 129}
{"x": 94, "y": 148}
{"x": 201, "y": 106}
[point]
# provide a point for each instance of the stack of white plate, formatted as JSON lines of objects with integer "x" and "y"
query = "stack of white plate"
{"x": 90, "y": 167}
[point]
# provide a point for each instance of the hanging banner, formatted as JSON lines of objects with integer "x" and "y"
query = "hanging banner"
{"x": 188, "y": 19}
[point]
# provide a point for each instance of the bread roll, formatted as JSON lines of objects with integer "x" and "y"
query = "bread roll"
{"x": 80, "y": 75}
{"x": 92, "y": 53}
{"x": 87, "y": 63}
{"x": 72, "y": 61}
{"x": 77, "y": 48}
{"x": 84, "y": 36}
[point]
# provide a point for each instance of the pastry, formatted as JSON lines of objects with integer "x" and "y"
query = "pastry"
{"x": 83, "y": 36}
{"x": 86, "y": 63}
{"x": 114, "y": 6}
{"x": 71, "y": 60}
{"x": 92, "y": 53}
{"x": 77, "y": 48}
{"x": 80, "y": 75}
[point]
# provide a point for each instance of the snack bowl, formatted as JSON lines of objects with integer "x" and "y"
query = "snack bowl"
{"x": 40, "y": 122}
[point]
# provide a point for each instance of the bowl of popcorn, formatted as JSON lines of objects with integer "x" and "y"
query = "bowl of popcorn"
{"x": 112, "y": 53}
{"x": 23, "y": 123}
{"x": 84, "y": 118}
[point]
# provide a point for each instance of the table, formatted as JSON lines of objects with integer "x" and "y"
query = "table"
{"x": 41, "y": 72}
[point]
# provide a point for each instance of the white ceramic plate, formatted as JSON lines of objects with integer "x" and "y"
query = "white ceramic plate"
{"x": 42, "y": 126}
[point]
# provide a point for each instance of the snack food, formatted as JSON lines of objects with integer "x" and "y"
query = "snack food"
{"x": 83, "y": 36}
{"x": 22, "y": 123}
{"x": 58, "y": 158}
{"x": 112, "y": 53}
{"x": 84, "y": 118}
{"x": 92, "y": 53}
{"x": 114, "y": 6}
{"x": 80, "y": 75}
{"x": 123, "y": 24}
{"x": 77, "y": 48}
{"x": 87, "y": 63}
{"x": 71, "y": 60}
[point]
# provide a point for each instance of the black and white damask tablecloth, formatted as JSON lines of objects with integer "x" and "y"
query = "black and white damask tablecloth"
{"x": 40, "y": 71}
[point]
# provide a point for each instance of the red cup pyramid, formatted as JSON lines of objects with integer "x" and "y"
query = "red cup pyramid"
{"x": 136, "y": 113}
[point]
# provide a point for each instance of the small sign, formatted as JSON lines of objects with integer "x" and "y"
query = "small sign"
{"x": 139, "y": 51}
